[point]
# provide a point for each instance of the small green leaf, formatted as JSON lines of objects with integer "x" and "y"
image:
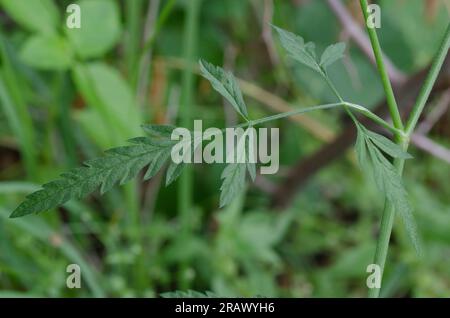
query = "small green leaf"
{"x": 295, "y": 45}
{"x": 388, "y": 146}
{"x": 100, "y": 28}
{"x": 36, "y": 15}
{"x": 225, "y": 83}
{"x": 388, "y": 181}
{"x": 233, "y": 182}
{"x": 47, "y": 52}
{"x": 332, "y": 54}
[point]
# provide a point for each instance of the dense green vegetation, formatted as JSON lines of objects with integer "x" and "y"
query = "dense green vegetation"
{"x": 66, "y": 95}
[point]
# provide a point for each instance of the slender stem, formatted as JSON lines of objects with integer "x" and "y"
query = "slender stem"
{"x": 355, "y": 107}
{"x": 361, "y": 109}
{"x": 252, "y": 123}
{"x": 288, "y": 114}
{"x": 333, "y": 88}
{"x": 376, "y": 119}
{"x": 144, "y": 66}
{"x": 387, "y": 222}
{"x": 185, "y": 190}
{"x": 165, "y": 12}
{"x": 429, "y": 82}
{"x": 336, "y": 92}
{"x": 388, "y": 216}
{"x": 133, "y": 11}
{"x": 387, "y": 219}
{"x": 392, "y": 103}
{"x": 13, "y": 104}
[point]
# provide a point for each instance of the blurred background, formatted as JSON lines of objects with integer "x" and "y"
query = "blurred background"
{"x": 309, "y": 231}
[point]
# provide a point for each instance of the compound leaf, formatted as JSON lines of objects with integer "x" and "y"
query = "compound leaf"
{"x": 119, "y": 165}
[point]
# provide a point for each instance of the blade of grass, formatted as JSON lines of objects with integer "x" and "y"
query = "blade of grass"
{"x": 16, "y": 110}
{"x": 64, "y": 120}
{"x": 185, "y": 187}
{"x": 133, "y": 11}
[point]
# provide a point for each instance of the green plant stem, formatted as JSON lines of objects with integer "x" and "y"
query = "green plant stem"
{"x": 14, "y": 106}
{"x": 429, "y": 82}
{"x": 162, "y": 17}
{"x": 191, "y": 26}
{"x": 387, "y": 219}
{"x": 361, "y": 109}
{"x": 185, "y": 189}
{"x": 333, "y": 88}
{"x": 390, "y": 98}
{"x": 165, "y": 12}
{"x": 356, "y": 107}
{"x": 388, "y": 216}
{"x": 133, "y": 10}
{"x": 387, "y": 223}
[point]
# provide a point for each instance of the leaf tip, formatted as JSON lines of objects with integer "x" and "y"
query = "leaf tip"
{"x": 17, "y": 213}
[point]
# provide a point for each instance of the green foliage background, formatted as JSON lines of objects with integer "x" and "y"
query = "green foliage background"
{"x": 66, "y": 95}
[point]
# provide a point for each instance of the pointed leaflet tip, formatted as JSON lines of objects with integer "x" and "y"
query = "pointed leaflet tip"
{"x": 225, "y": 84}
{"x": 332, "y": 54}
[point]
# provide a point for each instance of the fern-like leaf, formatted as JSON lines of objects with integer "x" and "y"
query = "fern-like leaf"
{"x": 118, "y": 166}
